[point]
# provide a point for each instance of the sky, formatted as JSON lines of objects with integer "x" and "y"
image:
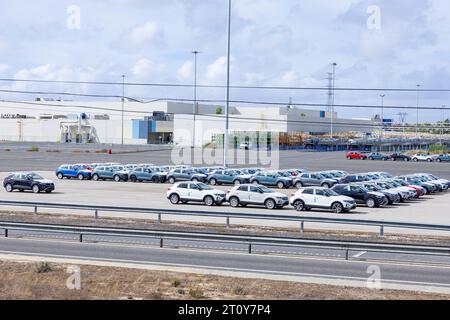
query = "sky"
{"x": 376, "y": 44}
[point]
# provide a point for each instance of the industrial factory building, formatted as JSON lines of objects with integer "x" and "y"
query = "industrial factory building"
{"x": 158, "y": 122}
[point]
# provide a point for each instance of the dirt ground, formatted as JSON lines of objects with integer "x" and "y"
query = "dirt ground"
{"x": 26, "y": 280}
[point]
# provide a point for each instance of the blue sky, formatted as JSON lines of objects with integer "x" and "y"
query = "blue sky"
{"x": 282, "y": 43}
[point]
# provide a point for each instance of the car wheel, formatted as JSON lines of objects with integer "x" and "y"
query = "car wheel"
{"x": 171, "y": 180}
{"x": 325, "y": 185}
{"x": 349, "y": 158}
{"x": 270, "y": 204}
{"x": 280, "y": 185}
{"x": 370, "y": 202}
{"x": 156, "y": 180}
{"x": 255, "y": 182}
{"x": 133, "y": 179}
{"x": 9, "y": 187}
{"x": 438, "y": 160}
{"x": 416, "y": 160}
{"x": 384, "y": 159}
{"x": 95, "y": 177}
{"x": 234, "y": 202}
{"x": 36, "y": 189}
{"x": 299, "y": 205}
{"x": 213, "y": 182}
{"x": 237, "y": 182}
{"x": 194, "y": 179}
{"x": 429, "y": 160}
{"x": 371, "y": 158}
{"x": 60, "y": 176}
{"x": 337, "y": 207}
{"x": 299, "y": 185}
{"x": 117, "y": 178}
{"x": 209, "y": 201}
{"x": 80, "y": 177}
{"x": 174, "y": 199}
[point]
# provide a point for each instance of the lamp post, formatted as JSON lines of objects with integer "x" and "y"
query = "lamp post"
{"x": 227, "y": 107}
{"x": 382, "y": 113}
{"x": 417, "y": 112}
{"x": 334, "y": 64}
{"x": 194, "y": 108}
{"x": 123, "y": 103}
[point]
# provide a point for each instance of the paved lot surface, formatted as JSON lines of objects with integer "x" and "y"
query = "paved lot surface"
{"x": 431, "y": 209}
{"x": 24, "y": 160}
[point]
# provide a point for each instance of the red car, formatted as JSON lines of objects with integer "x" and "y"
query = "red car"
{"x": 356, "y": 155}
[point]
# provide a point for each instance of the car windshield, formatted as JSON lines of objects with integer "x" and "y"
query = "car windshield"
{"x": 265, "y": 189}
{"x": 203, "y": 186}
{"x": 330, "y": 192}
{"x": 35, "y": 176}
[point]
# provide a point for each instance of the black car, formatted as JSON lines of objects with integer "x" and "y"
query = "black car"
{"x": 361, "y": 195}
{"x": 27, "y": 181}
{"x": 399, "y": 157}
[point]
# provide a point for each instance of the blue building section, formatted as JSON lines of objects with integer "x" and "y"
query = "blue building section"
{"x": 141, "y": 129}
{"x": 322, "y": 114}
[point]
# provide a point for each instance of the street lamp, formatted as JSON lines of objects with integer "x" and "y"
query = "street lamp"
{"x": 227, "y": 107}
{"x": 334, "y": 64}
{"x": 123, "y": 102}
{"x": 417, "y": 112}
{"x": 194, "y": 108}
{"x": 382, "y": 113}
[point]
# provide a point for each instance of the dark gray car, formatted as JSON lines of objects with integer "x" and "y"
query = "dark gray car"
{"x": 308, "y": 179}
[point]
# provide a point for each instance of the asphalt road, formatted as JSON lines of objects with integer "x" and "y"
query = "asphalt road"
{"x": 415, "y": 277}
{"x": 20, "y": 159}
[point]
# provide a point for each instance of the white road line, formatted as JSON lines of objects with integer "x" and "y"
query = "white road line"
{"x": 360, "y": 254}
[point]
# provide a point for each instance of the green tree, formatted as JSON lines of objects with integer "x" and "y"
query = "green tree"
{"x": 219, "y": 110}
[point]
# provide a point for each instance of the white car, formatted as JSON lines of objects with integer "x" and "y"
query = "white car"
{"x": 321, "y": 198}
{"x": 250, "y": 194}
{"x": 185, "y": 192}
{"x": 422, "y": 157}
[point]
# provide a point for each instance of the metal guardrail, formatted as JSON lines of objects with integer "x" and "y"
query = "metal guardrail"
{"x": 382, "y": 225}
{"x": 400, "y": 248}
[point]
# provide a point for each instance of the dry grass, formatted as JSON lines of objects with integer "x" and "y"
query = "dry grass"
{"x": 21, "y": 281}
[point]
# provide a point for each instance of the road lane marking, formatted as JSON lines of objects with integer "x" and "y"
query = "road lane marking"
{"x": 360, "y": 254}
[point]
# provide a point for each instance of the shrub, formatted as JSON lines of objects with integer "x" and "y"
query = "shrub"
{"x": 43, "y": 267}
{"x": 239, "y": 291}
{"x": 196, "y": 293}
{"x": 181, "y": 291}
{"x": 34, "y": 149}
{"x": 176, "y": 283}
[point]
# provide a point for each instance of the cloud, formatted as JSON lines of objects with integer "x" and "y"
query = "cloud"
{"x": 146, "y": 69}
{"x": 3, "y": 68}
{"x": 185, "y": 71}
{"x": 143, "y": 33}
{"x": 217, "y": 71}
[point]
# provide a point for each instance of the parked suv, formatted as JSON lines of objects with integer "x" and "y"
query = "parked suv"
{"x": 442, "y": 158}
{"x": 377, "y": 156}
{"x": 313, "y": 179}
{"x": 185, "y": 192}
{"x": 422, "y": 157}
{"x": 181, "y": 174}
{"x": 361, "y": 195}
{"x": 79, "y": 171}
{"x": 250, "y": 194}
{"x": 147, "y": 174}
{"x": 356, "y": 155}
{"x": 353, "y": 178}
{"x": 228, "y": 177}
{"x": 308, "y": 198}
{"x": 399, "y": 157}
{"x": 27, "y": 181}
{"x": 271, "y": 179}
{"x": 109, "y": 173}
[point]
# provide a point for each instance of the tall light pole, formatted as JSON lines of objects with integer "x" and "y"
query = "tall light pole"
{"x": 334, "y": 64}
{"x": 123, "y": 102}
{"x": 443, "y": 122}
{"x": 382, "y": 113}
{"x": 417, "y": 112}
{"x": 227, "y": 106}
{"x": 194, "y": 108}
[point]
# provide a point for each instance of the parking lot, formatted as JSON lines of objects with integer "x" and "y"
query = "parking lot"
{"x": 431, "y": 209}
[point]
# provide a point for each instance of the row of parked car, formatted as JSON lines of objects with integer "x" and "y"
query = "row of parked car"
{"x": 356, "y": 155}
{"x": 377, "y": 189}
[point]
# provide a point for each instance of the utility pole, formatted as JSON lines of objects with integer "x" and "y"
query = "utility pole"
{"x": 382, "y": 114}
{"x": 227, "y": 107}
{"x": 194, "y": 109}
{"x": 417, "y": 112}
{"x": 123, "y": 103}
{"x": 443, "y": 122}
{"x": 334, "y": 64}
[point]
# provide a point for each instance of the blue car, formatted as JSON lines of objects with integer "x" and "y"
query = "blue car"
{"x": 147, "y": 174}
{"x": 271, "y": 179}
{"x": 442, "y": 158}
{"x": 228, "y": 177}
{"x": 79, "y": 171}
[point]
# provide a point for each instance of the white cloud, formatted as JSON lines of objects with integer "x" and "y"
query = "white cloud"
{"x": 144, "y": 33}
{"x": 144, "y": 69}
{"x": 217, "y": 71}
{"x": 185, "y": 71}
{"x": 288, "y": 78}
{"x": 3, "y": 68}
